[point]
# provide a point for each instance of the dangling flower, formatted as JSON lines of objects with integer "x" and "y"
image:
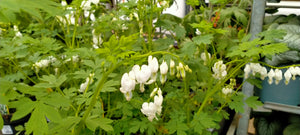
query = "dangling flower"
{"x": 142, "y": 74}
{"x": 227, "y": 90}
{"x": 287, "y": 76}
{"x": 149, "y": 110}
{"x": 247, "y": 70}
{"x": 153, "y": 108}
{"x": 127, "y": 83}
{"x": 63, "y": 3}
{"x": 153, "y": 65}
{"x": 84, "y": 85}
{"x": 128, "y": 95}
{"x": 158, "y": 99}
{"x": 255, "y": 67}
{"x": 154, "y": 92}
{"x": 278, "y": 76}
{"x": 172, "y": 68}
{"x": 204, "y": 58}
{"x": 294, "y": 71}
{"x": 219, "y": 70}
{"x": 271, "y": 74}
{"x": 164, "y": 68}
{"x": 163, "y": 72}
{"x": 181, "y": 70}
{"x": 263, "y": 73}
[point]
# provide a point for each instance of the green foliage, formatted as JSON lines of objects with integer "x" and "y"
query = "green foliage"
{"x": 253, "y": 102}
{"x": 259, "y": 47}
{"x": 103, "y": 123}
{"x": 237, "y": 103}
{"x": 1, "y": 122}
{"x": 177, "y": 124}
{"x": 9, "y": 8}
{"x": 143, "y": 126}
{"x": 234, "y": 16}
{"x": 203, "y": 121}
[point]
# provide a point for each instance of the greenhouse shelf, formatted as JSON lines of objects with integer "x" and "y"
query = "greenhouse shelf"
{"x": 282, "y": 107}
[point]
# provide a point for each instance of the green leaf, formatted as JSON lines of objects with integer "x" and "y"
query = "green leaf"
{"x": 52, "y": 81}
{"x": 237, "y": 103}
{"x": 188, "y": 48}
{"x": 177, "y": 124}
{"x": 253, "y": 102}
{"x": 37, "y": 123}
{"x": 180, "y": 31}
{"x": 57, "y": 100}
{"x": 272, "y": 34}
{"x": 1, "y": 122}
{"x": 272, "y": 49}
{"x": 162, "y": 44}
{"x": 142, "y": 126}
{"x": 32, "y": 7}
{"x": 201, "y": 122}
{"x": 5, "y": 85}
{"x": 103, "y": 123}
{"x": 110, "y": 86}
{"x": 3, "y": 99}
{"x": 51, "y": 113}
{"x": 26, "y": 89}
{"x": 89, "y": 63}
{"x": 81, "y": 74}
{"x": 23, "y": 106}
{"x": 203, "y": 39}
{"x": 65, "y": 126}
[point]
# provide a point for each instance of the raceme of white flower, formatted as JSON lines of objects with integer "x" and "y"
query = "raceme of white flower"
{"x": 84, "y": 85}
{"x": 18, "y": 33}
{"x": 153, "y": 108}
{"x": 271, "y": 74}
{"x": 44, "y": 63}
{"x": 153, "y": 65}
{"x": 128, "y": 84}
{"x": 277, "y": 74}
{"x": 198, "y": 32}
{"x": 227, "y": 90}
{"x": 64, "y": 3}
{"x": 142, "y": 75}
{"x": 163, "y": 72}
{"x": 97, "y": 40}
{"x": 219, "y": 70}
{"x": 74, "y": 59}
{"x": 149, "y": 110}
{"x": 172, "y": 68}
{"x": 287, "y": 76}
{"x": 180, "y": 70}
{"x": 204, "y": 58}
{"x": 86, "y": 4}
{"x": 294, "y": 71}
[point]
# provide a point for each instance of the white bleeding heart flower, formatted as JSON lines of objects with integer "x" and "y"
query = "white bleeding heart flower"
{"x": 163, "y": 68}
{"x": 277, "y": 76}
{"x": 287, "y": 76}
{"x": 127, "y": 83}
{"x": 172, "y": 68}
{"x": 149, "y": 109}
{"x": 142, "y": 74}
{"x": 153, "y": 64}
{"x": 271, "y": 74}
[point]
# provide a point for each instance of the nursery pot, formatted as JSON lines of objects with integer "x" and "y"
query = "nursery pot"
{"x": 281, "y": 93}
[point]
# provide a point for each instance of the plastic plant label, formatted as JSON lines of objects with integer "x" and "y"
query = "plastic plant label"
{"x": 7, "y": 130}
